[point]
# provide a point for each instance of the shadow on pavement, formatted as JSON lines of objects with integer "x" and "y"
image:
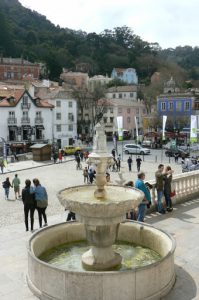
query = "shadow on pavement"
{"x": 184, "y": 288}
{"x": 180, "y": 212}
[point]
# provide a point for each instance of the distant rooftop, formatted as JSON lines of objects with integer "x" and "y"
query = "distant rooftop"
{"x": 15, "y": 61}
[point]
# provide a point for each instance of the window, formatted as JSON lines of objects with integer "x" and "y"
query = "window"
{"x": 163, "y": 106}
{"x": 144, "y": 111}
{"x": 86, "y": 105}
{"x": 70, "y": 117}
{"x": 58, "y": 103}
{"x": 58, "y": 116}
{"x": 105, "y": 109}
{"x": 58, "y": 128}
{"x": 38, "y": 114}
{"x": 178, "y": 105}
{"x": 111, "y": 119}
{"x": 128, "y": 110}
{"x": 128, "y": 120}
{"x": 25, "y": 114}
{"x": 111, "y": 110}
{"x": 114, "y": 96}
{"x": 124, "y": 95}
{"x": 70, "y": 104}
{"x": 120, "y": 96}
{"x": 11, "y": 114}
{"x": 170, "y": 105}
{"x": 137, "y": 111}
{"x": 131, "y": 95}
{"x": 187, "y": 105}
{"x": 25, "y": 99}
{"x": 105, "y": 120}
{"x": 70, "y": 127}
{"x": 119, "y": 110}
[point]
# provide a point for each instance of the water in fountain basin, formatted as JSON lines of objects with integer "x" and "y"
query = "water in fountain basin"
{"x": 68, "y": 256}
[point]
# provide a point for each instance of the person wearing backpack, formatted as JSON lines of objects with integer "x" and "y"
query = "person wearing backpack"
{"x": 28, "y": 198}
{"x": 41, "y": 198}
{"x": 7, "y": 185}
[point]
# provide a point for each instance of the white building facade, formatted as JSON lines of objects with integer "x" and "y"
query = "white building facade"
{"x": 25, "y": 119}
{"x": 64, "y": 118}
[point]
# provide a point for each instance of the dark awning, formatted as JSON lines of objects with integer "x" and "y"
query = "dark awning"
{"x": 39, "y": 126}
{"x": 12, "y": 127}
{"x": 26, "y": 127}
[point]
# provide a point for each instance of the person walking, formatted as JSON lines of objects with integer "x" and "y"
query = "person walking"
{"x": 85, "y": 174}
{"x": 60, "y": 156}
{"x": 28, "y": 198}
{"x": 16, "y": 185}
{"x": 129, "y": 161}
{"x": 91, "y": 175}
{"x": 138, "y": 162}
{"x": 41, "y": 198}
{"x": 139, "y": 184}
{"x": 118, "y": 163}
{"x": 159, "y": 176}
{"x": 167, "y": 187}
{"x": 2, "y": 165}
{"x": 78, "y": 166}
{"x": 7, "y": 185}
{"x": 113, "y": 153}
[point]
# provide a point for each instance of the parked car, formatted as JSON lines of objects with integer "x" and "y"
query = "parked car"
{"x": 180, "y": 152}
{"x": 70, "y": 150}
{"x": 135, "y": 149}
{"x": 190, "y": 165}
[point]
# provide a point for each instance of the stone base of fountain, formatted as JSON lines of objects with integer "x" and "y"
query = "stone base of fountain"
{"x": 107, "y": 259}
{"x": 150, "y": 282}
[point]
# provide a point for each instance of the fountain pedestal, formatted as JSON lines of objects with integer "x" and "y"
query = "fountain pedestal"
{"x": 101, "y": 255}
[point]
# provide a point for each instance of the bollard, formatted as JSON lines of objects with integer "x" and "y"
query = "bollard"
{"x": 156, "y": 158}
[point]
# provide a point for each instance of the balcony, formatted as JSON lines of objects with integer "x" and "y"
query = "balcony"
{"x": 12, "y": 121}
{"x": 39, "y": 120}
{"x": 25, "y": 105}
{"x": 25, "y": 120}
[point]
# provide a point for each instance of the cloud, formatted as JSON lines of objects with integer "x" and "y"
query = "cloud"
{"x": 168, "y": 22}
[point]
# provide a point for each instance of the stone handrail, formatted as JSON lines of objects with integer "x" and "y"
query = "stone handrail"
{"x": 186, "y": 186}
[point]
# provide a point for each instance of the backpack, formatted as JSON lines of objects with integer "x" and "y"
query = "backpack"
{"x": 4, "y": 184}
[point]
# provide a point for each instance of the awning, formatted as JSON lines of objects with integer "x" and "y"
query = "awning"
{"x": 26, "y": 127}
{"x": 12, "y": 127}
{"x": 39, "y": 127}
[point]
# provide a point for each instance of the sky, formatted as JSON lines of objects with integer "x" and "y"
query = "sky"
{"x": 170, "y": 23}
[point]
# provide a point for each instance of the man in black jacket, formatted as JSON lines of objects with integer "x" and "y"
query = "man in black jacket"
{"x": 28, "y": 198}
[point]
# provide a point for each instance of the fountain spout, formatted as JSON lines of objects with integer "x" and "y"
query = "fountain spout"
{"x": 101, "y": 159}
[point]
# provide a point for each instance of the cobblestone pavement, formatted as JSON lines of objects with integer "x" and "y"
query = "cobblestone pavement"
{"x": 182, "y": 223}
{"x": 54, "y": 178}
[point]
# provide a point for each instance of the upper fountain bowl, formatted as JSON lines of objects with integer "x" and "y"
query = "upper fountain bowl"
{"x": 108, "y": 210}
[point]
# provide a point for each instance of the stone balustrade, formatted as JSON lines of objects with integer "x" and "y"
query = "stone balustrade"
{"x": 186, "y": 186}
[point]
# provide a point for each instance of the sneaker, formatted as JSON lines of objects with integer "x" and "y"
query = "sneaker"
{"x": 46, "y": 224}
{"x": 162, "y": 212}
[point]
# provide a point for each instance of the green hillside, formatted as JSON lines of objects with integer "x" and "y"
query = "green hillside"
{"x": 26, "y": 33}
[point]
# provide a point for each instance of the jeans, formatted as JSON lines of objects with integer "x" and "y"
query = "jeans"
{"x": 141, "y": 212}
{"x": 7, "y": 192}
{"x": 41, "y": 212}
{"x": 159, "y": 201}
{"x": 168, "y": 200}
{"x": 129, "y": 167}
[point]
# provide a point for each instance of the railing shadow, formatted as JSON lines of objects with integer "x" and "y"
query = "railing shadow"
{"x": 179, "y": 213}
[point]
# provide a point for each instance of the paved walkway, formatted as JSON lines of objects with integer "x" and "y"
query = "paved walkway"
{"x": 182, "y": 223}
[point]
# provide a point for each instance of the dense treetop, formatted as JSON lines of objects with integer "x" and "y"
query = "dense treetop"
{"x": 26, "y": 33}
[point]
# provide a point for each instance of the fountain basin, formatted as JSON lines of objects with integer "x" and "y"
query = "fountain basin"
{"x": 105, "y": 211}
{"x": 149, "y": 282}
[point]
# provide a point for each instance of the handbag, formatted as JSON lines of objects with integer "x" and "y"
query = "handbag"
{"x": 173, "y": 192}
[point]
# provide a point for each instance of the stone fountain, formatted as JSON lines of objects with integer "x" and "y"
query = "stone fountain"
{"x": 100, "y": 211}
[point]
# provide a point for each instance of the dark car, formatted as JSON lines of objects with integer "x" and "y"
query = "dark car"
{"x": 180, "y": 152}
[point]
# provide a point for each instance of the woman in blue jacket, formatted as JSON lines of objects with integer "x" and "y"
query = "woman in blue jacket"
{"x": 41, "y": 198}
